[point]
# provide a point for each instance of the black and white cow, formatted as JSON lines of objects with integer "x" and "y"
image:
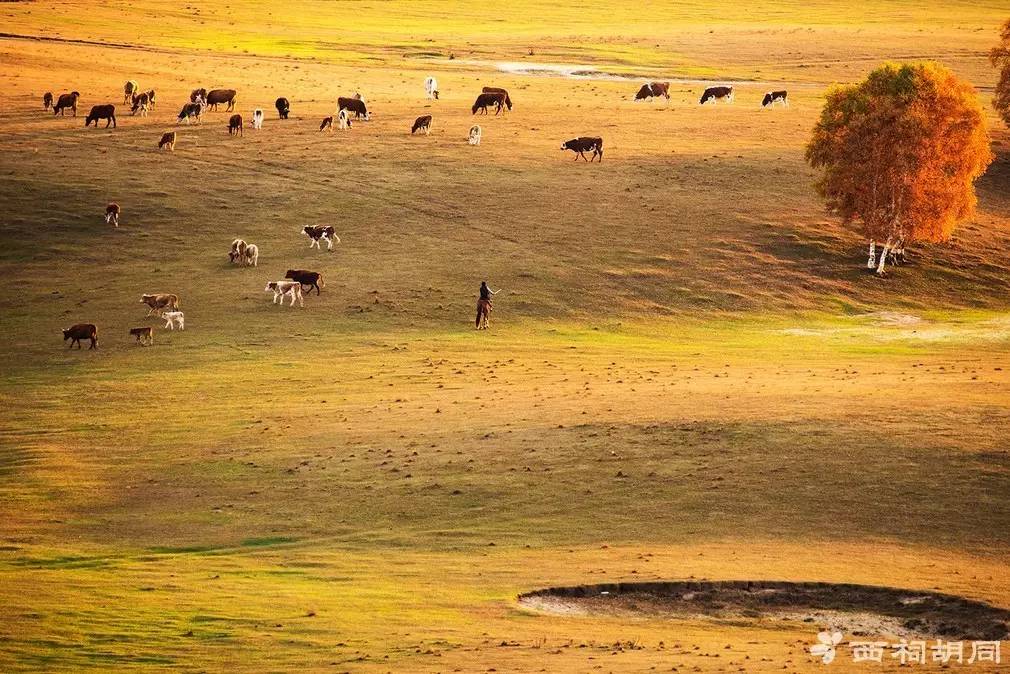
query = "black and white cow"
{"x": 775, "y": 98}
{"x": 584, "y": 144}
{"x": 714, "y": 94}
{"x": 319, "y": 233}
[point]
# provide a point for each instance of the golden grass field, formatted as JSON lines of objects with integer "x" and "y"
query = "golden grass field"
{"x": 689, "y": 375}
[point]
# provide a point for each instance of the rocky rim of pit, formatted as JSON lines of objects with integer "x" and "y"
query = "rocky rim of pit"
{"x": 859, "y": 610}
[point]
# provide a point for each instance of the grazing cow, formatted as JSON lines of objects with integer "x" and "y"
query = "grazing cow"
{"x": 653, "y": 89}
{"x": 167, "y": 140}
{"x": 258, "y": 118}
{"x": 191, "y": 111}
{"x": 158, "y": 302}
{"x": 773, "y": 97}
{"x": 197, "y": 95}
{"x": 474, "y": 137}
{"x": 112, "y": 212}
{"x": 714, "y": 94}
{"x": 355, "y": 105}
{"x": 237, "y": 252}
{"x": 327, "y": 124}
{"x": 252, "y": 255}
{"x": 76, "y": 333}
{"x": 343, "y": 120}
{"x": 130, "y": 90}
{"x": 145, "y": 335}
{"x": 292, "y": 289}
{"x": 484, "y": 101}
{"x": 312, "y": 279}
{"x": 66, "y": 101}
{"x": 150, "y": 99}
{"x": 499, "y": 90}
{"x": 140, "y": 103}
{"x": 106, "y": 112}
{"x": 431, "y": 87}
{"x": 174, "y": 318}
{"x": 235, "y": 125}
{"x": 47, "y": 100}
{"x": 283, "y": 107}
{"x": 217, "y": 96}
{"x": 584, "y": 144}
{"x": 319, "y": 233}
{"x": 422, "y": 123}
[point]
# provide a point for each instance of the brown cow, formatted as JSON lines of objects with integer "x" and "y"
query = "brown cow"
{"x": 355, "y": 105}
{"x": 422, "y": 123}
{"x": 167, "y": 140}
{"x": 47, "y": 100}
{"x": 76, "y": 333}
{"x": 197, "y": 95}
{"x": 235, "y": 125}
{"x": 499, "y": 90}
{"x": 145, "y": 335}
{"x": 653, "y": 89}
{"x": 106, "y": 112}
{"x": 141, "y": 102}
{"x": 312, "y": 279}
{"x": 112, "y": 212}
{"x": 66, "y": 101}
{"x": 158, "y": 302}
{"x": 218, "y": 96}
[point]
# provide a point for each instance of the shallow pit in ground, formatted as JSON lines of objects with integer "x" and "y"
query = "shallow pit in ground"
{"x": 856, "y": 610}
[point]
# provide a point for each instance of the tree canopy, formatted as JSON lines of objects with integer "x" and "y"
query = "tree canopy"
{"x": 901, "y": 151}
{"x": 999, "y": 57}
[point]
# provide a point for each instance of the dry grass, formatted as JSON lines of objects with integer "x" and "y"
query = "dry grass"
{"x": 688, "y": 375}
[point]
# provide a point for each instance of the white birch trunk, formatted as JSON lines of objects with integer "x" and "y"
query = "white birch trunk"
{"x": 883, "y": 258}
{"x": 871, "y": 261}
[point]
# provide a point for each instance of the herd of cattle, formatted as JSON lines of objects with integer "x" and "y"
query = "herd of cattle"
{"x": 166, "y": 305}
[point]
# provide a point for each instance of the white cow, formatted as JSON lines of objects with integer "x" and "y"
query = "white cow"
{"x": 431, "y": 87}
{"x": 343, "y": 121}
{"x": 474, "y": 138}
{"x": 258, "y": 118}
{"x": 174, "y": 318}
{"x": 292, "y": 289}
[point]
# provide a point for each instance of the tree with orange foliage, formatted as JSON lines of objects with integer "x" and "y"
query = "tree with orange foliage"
{"x": 900, "y": 153}
{"x": 999, "y": 57}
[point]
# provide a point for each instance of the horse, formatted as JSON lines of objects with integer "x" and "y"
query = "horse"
{"x": 483, "y": 313}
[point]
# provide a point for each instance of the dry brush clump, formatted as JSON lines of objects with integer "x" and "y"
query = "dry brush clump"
{"x": 900, "y": 153}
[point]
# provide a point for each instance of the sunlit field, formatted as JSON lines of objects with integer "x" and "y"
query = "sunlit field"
{"x": 689, "y": 373}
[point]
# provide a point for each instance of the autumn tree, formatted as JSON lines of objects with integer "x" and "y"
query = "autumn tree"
{"x": 999, "y": 57}
{"x": 900, "y": 153}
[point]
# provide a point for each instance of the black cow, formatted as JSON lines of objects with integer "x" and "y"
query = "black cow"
{"x": 422, "y": 123}
{"x": 81, "y": 331}
{"x": 714, "y": 94}
{"x": 198, "y": 94}
{"x": 313, "y": 279}
{"x": 218, "y": 96}
{"x": 773, "y": 97}
{"x": 486, "y": 100}
{"x": 106, "y": 112}
{"x": 355, "y": 105}
{"x": 235, "y": 125}
{"x": 584, "y": 144}
{"x": 66, "y": 101}
{"x": 283, "y": 107}
{"x": 190, "y": 111}
{"x": 47, "y": 100}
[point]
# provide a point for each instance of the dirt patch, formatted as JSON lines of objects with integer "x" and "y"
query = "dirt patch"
{"x": 861, "y": 610}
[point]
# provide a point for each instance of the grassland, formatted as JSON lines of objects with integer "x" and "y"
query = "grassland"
{"x": 688, "y": 374}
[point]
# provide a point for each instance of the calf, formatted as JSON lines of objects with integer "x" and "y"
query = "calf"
{"x": 47, "y": 100}
{"x": 431, "y": 87}
{"x": 140, "y": 104}
{"x": 150, "y": 99}
{"x": 474, "y": 137}
{"x": 715, "y": 94}
{"x": 422, "y": 123}
{"x": 145, "y": 335}
{"x": 292, "y": 289}
{"x": 76, "y": 333}
{"x": 159, "y": 302}
{"x": 191, "y": 111}
{"x": 313, "y": 279}
{"x": 237, "y": 251}
{"x": 198, "y": 95}
{"x": 252, "y": 255}
{"x": 355, "y": 105}
{"x": 217, "y": 96}
{"x": 174, "y": 318}
{"x": 775, "y": 97}
{"x": 343, "y": 120}
{"x": 584, "y": 144}
{"x": 66, "y": 101}
{"x": 283, "y": 107}
{"x": 106, "y": 112}
{"x": 319, "y": 233}
{"x": 130, "y": 90}
{"x": 235, "y": 125}
{"x": 327, "y": 124}
{"x": 112, "y": 212}
{"x": 258, "y": 118}
{"x": 167, "y": 140}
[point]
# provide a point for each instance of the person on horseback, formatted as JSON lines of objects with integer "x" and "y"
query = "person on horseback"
{"x": 484, "y": 305}
{"x": 485, "y": 292}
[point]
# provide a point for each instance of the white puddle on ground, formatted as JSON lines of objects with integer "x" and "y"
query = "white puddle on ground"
{"x": 895, "y": 326}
